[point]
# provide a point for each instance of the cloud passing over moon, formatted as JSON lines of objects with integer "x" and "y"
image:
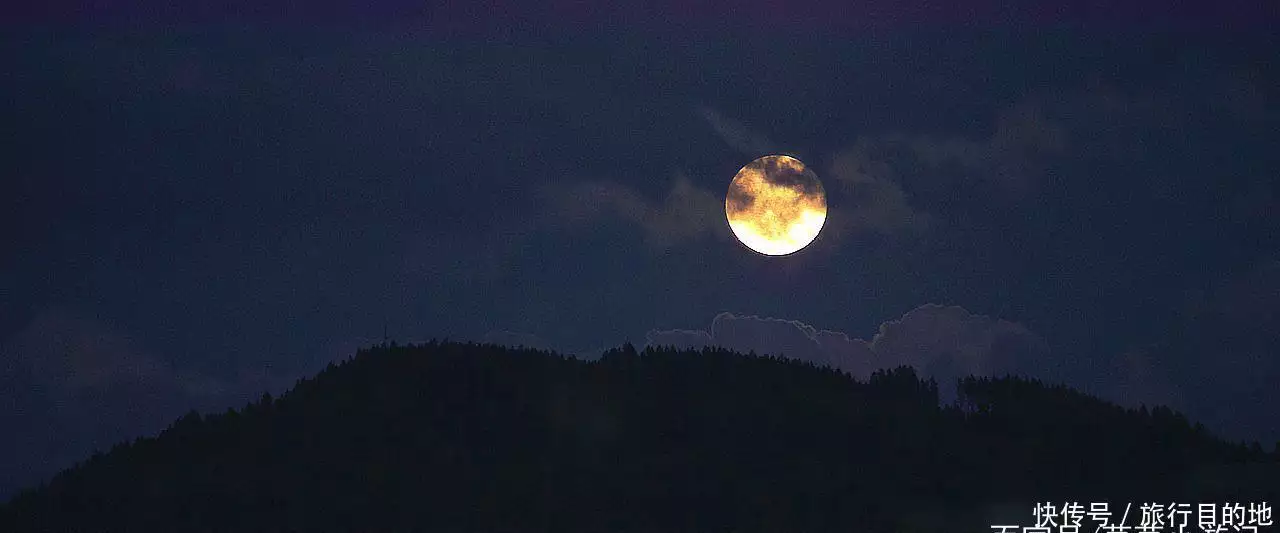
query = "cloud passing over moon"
{"x": 776, "y": 205}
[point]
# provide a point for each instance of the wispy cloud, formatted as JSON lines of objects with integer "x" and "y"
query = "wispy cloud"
{"x": 1009, "y": 166}
{"x": 686, "y": 213}
{"x": 737, "y": 135}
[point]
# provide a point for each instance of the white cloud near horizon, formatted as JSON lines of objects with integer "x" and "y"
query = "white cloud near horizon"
{"x": 940, "y": 342}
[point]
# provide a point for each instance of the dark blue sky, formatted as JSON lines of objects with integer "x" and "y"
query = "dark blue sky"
{"x": 192, "y": 216}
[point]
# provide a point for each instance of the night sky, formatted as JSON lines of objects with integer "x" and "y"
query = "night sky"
{"x": 197, "y": 208}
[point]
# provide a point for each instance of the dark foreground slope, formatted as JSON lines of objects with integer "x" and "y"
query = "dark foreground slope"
{"x": 461, "y": 437}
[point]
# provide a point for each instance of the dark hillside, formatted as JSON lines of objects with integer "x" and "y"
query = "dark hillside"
{"x": 465, "y": 437}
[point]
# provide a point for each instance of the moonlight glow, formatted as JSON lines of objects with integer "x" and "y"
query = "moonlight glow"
{"x": 776, "y": 205}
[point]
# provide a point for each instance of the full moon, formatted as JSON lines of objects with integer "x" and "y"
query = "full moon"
{"x": 776, "y": 205}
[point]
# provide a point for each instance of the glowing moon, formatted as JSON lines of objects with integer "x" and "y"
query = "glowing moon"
{"x": 776, "y": 205}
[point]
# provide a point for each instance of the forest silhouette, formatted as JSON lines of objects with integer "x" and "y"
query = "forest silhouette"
{"x": 461, "y": 437}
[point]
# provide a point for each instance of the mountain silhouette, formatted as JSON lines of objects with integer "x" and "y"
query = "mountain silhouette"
{"x": 459, "y": 437}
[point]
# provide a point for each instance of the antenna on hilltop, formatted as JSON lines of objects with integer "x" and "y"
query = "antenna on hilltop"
{"x": 384, "y": 333}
